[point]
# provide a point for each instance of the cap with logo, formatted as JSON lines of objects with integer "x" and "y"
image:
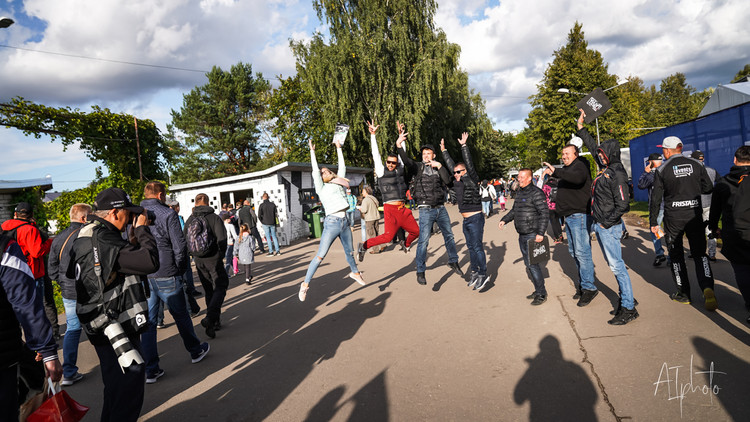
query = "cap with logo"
{"x": 670, "y": 142}
{"x": 24, "y": 208}
{"x": 698, "y": 155}
{"x": 115, "y": 198}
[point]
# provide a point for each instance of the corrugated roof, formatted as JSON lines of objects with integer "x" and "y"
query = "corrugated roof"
{"x": 727, "y": 96}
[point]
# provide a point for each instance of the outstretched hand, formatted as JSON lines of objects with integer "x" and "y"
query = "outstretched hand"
{"x": 580, "y": 118}
{"x": 464, "y": 137}
{"x": 500, "y": 225}
{"x": 372, "y": 127}
{"x": 401, "y": 135}
{"x": 311, "y": 145}
{"x": 442, "y": 144}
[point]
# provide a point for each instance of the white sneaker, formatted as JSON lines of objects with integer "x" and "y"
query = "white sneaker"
{"x": 303, "y": 291}
{"x": 357, "y": 277}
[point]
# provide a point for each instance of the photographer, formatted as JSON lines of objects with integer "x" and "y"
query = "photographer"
{"x": 103, "y": 264}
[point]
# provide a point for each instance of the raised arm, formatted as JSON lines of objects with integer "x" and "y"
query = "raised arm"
{"x": 342, "y": 165}
{"x": 449, "y": 164}
{"x": 466, "y": 154}
{"x": 317, "y": 178}
{"x": 588, "y": 140}
{"x": 402, "y": 148}
{"x": 376, "y": 158}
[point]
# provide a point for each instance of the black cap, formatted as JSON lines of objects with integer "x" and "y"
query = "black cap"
{"x": 427, "y": 146}
{"x": 654, "y": 156}
{"x": 115, "y": 198}
{"x": 697, "y": 155}
{"x": 24, "y": 208}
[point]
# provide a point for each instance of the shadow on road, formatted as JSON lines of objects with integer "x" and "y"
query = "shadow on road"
{"x": 555, "y": 388}
{"x": 731, "y": 385}
{"x": 370, "y": 403}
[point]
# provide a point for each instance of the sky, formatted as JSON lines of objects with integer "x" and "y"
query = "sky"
{"x": 505, "y": 48}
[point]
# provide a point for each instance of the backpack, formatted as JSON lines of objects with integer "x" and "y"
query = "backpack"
{"x": 201, "y": 240}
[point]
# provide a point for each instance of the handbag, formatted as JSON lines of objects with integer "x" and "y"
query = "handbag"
{"x": 538, "y": 252}
{"x": 59, "y": 407}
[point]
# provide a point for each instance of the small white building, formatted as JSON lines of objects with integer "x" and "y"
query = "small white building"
{"x": 282, "y": 182}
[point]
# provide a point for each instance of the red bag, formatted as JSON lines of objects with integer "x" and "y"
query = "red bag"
{"x": 59, "y": 407}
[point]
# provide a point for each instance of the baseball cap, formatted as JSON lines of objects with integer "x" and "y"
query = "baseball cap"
{"x": 24, "y": 207}
{"x": 698, "y": 155}
{"x": 654, "y": 156}
{"x": 670, "y": 142}
{"x": 576, "y": 141}
{"x": 115, "y": 198}
{"x": 427, "y": 146}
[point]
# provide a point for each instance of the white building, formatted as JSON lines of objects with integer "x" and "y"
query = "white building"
{"x": 283, "y": 183}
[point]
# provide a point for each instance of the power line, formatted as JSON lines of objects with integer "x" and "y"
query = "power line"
{"x": 105, "y": 60}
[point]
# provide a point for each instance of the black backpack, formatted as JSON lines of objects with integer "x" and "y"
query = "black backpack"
{"x": 201, "y": 240}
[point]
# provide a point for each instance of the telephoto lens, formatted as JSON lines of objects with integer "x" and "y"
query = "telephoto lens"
{"x": 126, "y": 354}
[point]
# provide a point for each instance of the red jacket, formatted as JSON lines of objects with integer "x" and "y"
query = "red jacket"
{"x": 30, "y": 241}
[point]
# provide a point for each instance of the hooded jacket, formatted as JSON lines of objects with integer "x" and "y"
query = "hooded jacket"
{"x": 610, "y": 194}
{"x": 32, "y": 244}
{"x": 173, "y": 254}
{"x": 723, "y": 201}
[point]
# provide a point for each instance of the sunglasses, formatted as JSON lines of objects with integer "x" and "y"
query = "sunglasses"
{"x": 392, "y": 162}
{"x": 459, "y": 171}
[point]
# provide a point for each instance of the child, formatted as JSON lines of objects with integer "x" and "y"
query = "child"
{"x": 244, "y": 251}
{"x": 230, "y": 266}
{"x": 501, "y": 198}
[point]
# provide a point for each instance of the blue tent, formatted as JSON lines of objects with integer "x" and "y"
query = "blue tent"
{"x": 717, "y": 135}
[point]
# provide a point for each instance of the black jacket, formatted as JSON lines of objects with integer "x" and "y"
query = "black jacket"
{"x": 393, "y": 184}
{"x": 610, "y": 194}
{"x": 429, "y": 183}
{"x": 173, "y": 254}
{"x": 679, "y": 182}
{"x": 530, "y": 213}
{"x": 723, "y": 201}
{"x": 246, "y": 215}
{"x": 119, "y": 258}
{"x": 267, "y": 213}
{"x": 573, "y": 188}
{"x": 217, "y": 227}
{"x": 58, "y": 262}
{"x": 467, "y": 189}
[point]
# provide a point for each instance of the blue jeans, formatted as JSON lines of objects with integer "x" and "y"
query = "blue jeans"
{"x": 609, "y": 240}
{"x": 271, "y": 238}
{"x": 72, "y": 338}
{"x": 168, "y": 289}
{"x": 658, "y": 248}
{"x": 228, "y": 257}
{"x": 350, "y": 218}
{"x": 474, "y": 233}
{"x": 427, "y": 216}
{"x": 486, "y": 207}
{"x": 535, "y": 271}
{"x": 578, "y": 226}
{"x": 333, "y": 227}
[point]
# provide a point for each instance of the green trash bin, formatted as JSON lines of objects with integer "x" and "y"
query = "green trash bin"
{"x": 314, "y": 218}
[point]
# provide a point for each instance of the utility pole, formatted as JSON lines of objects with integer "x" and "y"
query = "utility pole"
{"x": 138, "y": 147}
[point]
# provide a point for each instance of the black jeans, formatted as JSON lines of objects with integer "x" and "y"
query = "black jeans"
{"x": 215, "y": 281}
{"x": 694, "y": 229}
{"x": 554, "y": 227}
{"x": 535, "y": 271}
{"x": 742, "y": 277}
{"x": 9, "y": 393}
{"x": 123, "y": 392}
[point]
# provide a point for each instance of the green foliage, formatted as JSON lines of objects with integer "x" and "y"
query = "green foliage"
{"x": 34, "y": 196}
{"x": 103, "y": 135}
{"x": 742, "y": 73}
{"x": 384, "y": 61}
{"x": 217, "y": 131}
{"x": 675, "y": 101}
{"x": 59, "y": 209}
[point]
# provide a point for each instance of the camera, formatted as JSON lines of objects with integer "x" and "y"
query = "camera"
{"x": 126, "y": 354}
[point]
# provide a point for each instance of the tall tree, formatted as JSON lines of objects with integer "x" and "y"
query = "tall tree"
{"x": 103, "y": 135}
{"x": 580, "y": 70}
{"x": 383, "y": 62}
{"x": 676, "y": 101}
{"x": 218, "y": 129}
{"x": 745, "y": 71}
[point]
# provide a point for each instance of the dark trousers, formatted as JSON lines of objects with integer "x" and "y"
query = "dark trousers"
{"x": 215, "y": 281}
{"x": 248, "y": 270}
{"x": 535, "y": 271}
{"x": 9, "y": 393}
{"x": 696, "y": 236}
{"x": 123, "y": 392}
{"x": 258, "y": 240}
{"x": 49, "y": 306}
{"x": 555, "y": 229}
{"x": 474, "y": 233}
{"x": 742, "y": 277}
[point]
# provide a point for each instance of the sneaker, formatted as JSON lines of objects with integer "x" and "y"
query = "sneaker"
{"x": 402, "y": 246}
{"x": 361, "y": 251}
{"x": 659, "y": 260}
{"x": 270, "y": 253}
{"x": 577, "y": 295}
{"x": 161, "y": 325}
{"x": 202, "y": 354}
{"x": 587, "y": 296}
{"x": 538, "y": 300}
{"x": 72, "y": 379}
{"x": 680, "y": 297}
{"x": 277, "y": 253}
{"x": 455, "y": 267}
{"x": 357, "y": 277}
{"x": 624, "y": 316}
{"x": 421, "y": 279}
{"x": 481, "y": 282}
{"x": 303, "y": 288}
{"x": 625, "y": 235}
{"x": 708, "y": 294}
{"x": 197, "y": 293}
{"x": 195, "y": 314}
{"x": 473, "y": 277}
{"x": 619, "y": 307}
{"x": 249, "y": 281}
{"x": 531, "y": 296}
{"x": 150, "y": 379}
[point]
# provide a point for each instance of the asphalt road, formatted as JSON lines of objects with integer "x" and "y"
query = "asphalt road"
{"x": 395, "y": 350}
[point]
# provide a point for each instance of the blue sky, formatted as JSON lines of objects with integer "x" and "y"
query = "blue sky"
{"x": 506, "y": 47}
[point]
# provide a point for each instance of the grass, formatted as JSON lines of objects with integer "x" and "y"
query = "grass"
{"x": 639, "y": 208}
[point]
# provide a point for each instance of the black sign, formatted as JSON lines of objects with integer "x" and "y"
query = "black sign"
{"x": 594, "y": 105}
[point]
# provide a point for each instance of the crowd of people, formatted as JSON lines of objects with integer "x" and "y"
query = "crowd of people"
{"x": 120, "y": 265}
